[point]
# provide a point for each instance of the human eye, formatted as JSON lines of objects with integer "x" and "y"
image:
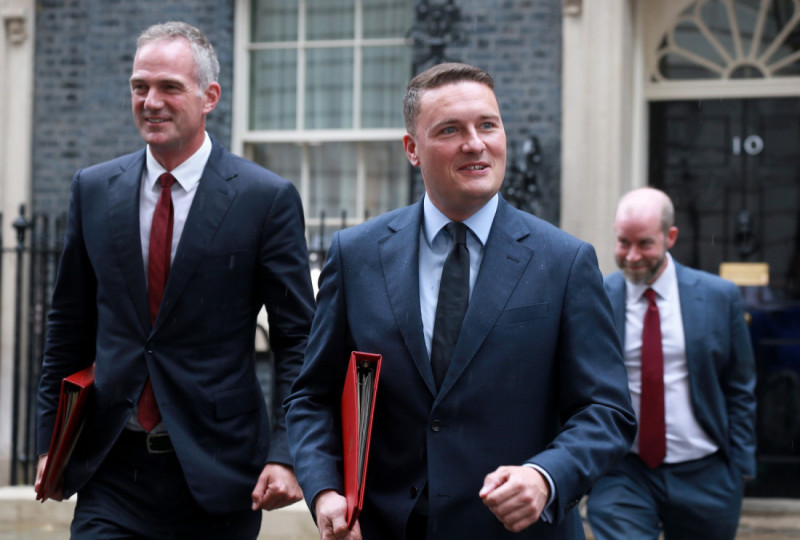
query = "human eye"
{"x": 448, "y": 130}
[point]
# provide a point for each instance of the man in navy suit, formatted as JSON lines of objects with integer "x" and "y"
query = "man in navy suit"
{"x": 212, "y": 461}
{"x": 532, "y": 406}
{"x": 693, "y": 487}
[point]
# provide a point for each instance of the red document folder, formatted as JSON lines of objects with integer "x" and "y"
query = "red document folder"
{"x": 70, "y": 418}
{"x": 358, "y": 406}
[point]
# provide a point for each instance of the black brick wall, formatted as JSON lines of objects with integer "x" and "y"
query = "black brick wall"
{"x": 84, "y": 55}
{"x": 84, "y": 52}
{"x": 519, "y": 43}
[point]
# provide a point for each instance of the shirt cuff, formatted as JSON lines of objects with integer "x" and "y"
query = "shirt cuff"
{"x": 547, "y": 513}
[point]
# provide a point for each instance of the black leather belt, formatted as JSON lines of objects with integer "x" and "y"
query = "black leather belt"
{"x": 154, "y": 443}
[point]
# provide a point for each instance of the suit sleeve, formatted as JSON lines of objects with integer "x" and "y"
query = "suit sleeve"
{"x": 285, "y": 285}
{"x": 738, "y": 384}
{"x": 72, "y": 320}
{"x": 314, "y": 428}
{"x": 597, "y": 422}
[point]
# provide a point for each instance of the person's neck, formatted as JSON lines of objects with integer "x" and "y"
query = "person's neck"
{"x": 171, "y": 157}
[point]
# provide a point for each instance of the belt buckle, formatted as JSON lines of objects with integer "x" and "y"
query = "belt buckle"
{"x": 151, "y": 442}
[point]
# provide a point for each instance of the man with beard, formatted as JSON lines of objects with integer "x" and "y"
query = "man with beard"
{"x": 691, "y": 377}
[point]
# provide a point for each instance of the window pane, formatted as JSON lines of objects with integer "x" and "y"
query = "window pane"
{"x": 282, "y": 159}
{"x": 273, "y": 89}
{"x": 273, "y": 21}
{"x": 329, "y": 88}
{"x": 330, "y": 19}
{"x": 332, "y": 182}
{"x": 388, "y": 180}
{"x": 387, "y": 18}
{"x": 385, "y": 74}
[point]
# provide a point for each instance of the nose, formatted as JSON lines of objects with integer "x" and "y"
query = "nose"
{"x": 153, "y": 100}
{"x": 633, "y": 254}
{"x": 472, "y": 142}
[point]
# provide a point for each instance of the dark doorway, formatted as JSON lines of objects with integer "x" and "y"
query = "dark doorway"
{"x": 732, "y": 168}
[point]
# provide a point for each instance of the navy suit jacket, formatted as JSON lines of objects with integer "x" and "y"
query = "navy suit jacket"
{"x": 242, "y": 247}
{"x": 537, "y": 377}
{"x": 720, "y": 359}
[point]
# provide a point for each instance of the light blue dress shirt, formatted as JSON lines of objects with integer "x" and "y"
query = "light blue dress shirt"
{"x": 434, "y": 245}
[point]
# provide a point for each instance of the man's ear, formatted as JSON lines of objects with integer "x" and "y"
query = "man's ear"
{"x": 672, "y": 236}
{"x": 212, "y": 94}
{"x": 411, "y": 149}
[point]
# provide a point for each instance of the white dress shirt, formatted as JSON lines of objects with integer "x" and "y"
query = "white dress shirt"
{"x": 686, "y": 440}
{"x": 187, "y": 176}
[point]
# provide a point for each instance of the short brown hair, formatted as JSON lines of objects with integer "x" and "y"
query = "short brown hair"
{"x": 434, "y": 77}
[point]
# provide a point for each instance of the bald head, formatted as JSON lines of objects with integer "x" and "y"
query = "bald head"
{"x": 644, "y": 232}
{"x": 647, "y": 203}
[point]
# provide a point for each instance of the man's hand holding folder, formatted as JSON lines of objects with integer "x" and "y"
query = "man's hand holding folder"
{"x": 330, "y": 509}
{"x": 70, "y": 418}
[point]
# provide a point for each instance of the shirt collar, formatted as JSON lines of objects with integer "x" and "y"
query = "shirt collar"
{"x": 663, "y": 286}
{"x": 188, "y": 173}
{"x": 480, "y": 223}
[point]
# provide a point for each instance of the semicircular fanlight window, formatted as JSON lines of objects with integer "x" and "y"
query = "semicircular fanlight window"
{"x": 731, "y": 39}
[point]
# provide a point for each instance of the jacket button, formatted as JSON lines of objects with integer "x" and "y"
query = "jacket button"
{"x": 413, "y": 491}
{"x": 436, "y": 426}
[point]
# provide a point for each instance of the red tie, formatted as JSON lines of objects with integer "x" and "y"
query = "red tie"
{"x": 652, "y": 433}
{"x": 157, "y": 273}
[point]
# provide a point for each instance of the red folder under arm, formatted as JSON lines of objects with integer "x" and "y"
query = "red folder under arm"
{"x": 70, "y": 417}
{"x": 358, "y": 406}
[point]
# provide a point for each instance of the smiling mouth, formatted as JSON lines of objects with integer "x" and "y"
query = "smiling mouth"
{"x": 475, "y": 167}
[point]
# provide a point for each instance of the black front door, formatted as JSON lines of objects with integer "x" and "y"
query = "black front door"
{"x": 732, "y": 168}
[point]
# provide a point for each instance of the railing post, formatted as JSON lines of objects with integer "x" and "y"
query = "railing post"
{"x": 35, "y": 336}
{"x": 21, "y": 225}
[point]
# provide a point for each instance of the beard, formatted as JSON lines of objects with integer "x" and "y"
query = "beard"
{"x": 644, "y": 275}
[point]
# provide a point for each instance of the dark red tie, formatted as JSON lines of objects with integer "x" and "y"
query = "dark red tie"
{"x": 158, "y": 259}
{"x": 652, "y": 431}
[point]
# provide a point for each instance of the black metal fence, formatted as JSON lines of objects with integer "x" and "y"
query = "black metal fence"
{"x": 39, "y": 242}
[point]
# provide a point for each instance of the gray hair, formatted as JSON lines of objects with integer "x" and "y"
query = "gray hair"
{"x": 205, "y": 58}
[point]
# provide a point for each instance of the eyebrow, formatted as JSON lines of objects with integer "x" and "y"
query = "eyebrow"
{"x": 482, "y": 118}
{"x": 175, "y": 82}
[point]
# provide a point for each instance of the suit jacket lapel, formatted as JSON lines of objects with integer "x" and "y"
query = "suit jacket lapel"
{"x": 123, "y": 215}
{"x": 693, "y": 315}
{"x": 399, "y": 256}
{"x": 616, "y": 292}
{"x": 211, "y": 202}
{"x": 504, "y": 260}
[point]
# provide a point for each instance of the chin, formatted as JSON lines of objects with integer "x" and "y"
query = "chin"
{"x": 636, "y": 277}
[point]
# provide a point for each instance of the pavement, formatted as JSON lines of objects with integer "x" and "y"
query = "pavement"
{"x": 23, "y": 518}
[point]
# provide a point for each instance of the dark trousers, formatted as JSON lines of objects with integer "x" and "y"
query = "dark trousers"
{"x": 699, "y": 499}
{"x": 136, "y": 494}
